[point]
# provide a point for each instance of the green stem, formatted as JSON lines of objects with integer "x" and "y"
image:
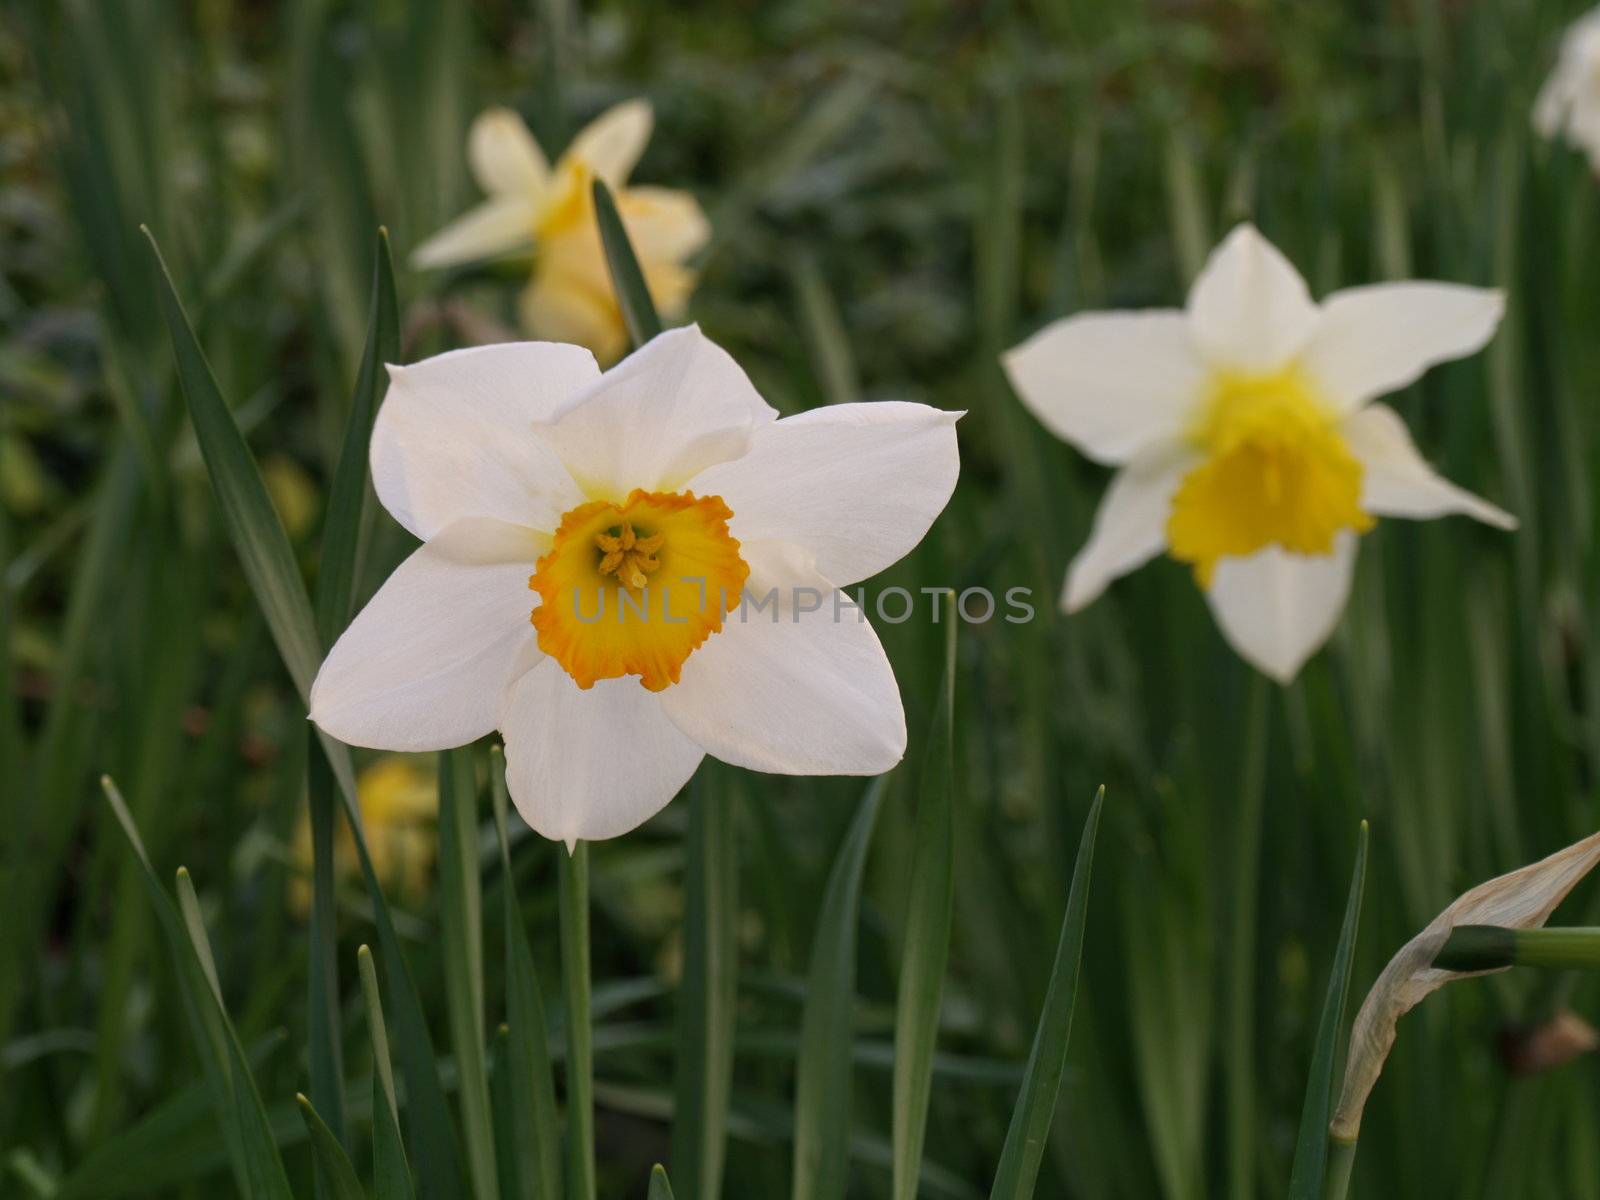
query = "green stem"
{"x": 574, "y": 888}
{"x": 1242, "y": 943}
{"x": 1491, "y": 947}
{"x": 1341, "y": 1158}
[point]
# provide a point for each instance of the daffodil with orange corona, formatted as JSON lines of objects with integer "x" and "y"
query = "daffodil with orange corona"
{"x": 1247, "y": 438}
{"x": 624, "y": 572}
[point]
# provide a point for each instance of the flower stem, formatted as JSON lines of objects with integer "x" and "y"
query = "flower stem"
{"x": 1341, "y": 1157}
{"x": 574, "y": 889}
{"x": 1491, "y": 947}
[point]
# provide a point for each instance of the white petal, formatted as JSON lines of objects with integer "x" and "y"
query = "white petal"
{"x": 1110, "y": 383}
{"x": 505, "y": 158}
{"x": 1130, "y": 526}
{"x": 1397, "y": 481}
{"x": 794, "y": 692}
{"x": 455, "y": 436}
{"x": 1277, "y": 608}
{"x": 499, "y": 226}
{"x": 612, "y": 143}
{"x": 424, "y": 664}
{"x": 590, "y": 764}
{"x": 658, "y": 418}
{"x": 857, "y": 485}
{"x": 1374, "y": 340}
{"x": 1249, "y": 308}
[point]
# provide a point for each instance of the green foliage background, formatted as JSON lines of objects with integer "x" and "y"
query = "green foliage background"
{"x": 898, "y": 192}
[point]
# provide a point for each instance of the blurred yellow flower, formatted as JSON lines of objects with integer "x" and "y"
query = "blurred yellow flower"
{"x": 399, "y": 800}
{"x": 550, "y": 210}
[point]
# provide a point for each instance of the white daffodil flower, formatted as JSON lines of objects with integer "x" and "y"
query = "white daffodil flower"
{"x": 1569, "y": 102}
{"x": 1246, "y": 437}
{"x": 550, "y": 210}
{"x": 587, "y": 539}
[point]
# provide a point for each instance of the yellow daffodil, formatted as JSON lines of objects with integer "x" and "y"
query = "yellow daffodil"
{"x": 1246, "y": 437}
{"x": 1569, "y": 103}
{"x": 399, "y": 801}
{"x": 624, "y": 572}
{"x": 550, "y": 210}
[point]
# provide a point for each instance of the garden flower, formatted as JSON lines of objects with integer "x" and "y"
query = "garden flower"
{"x": 624, "y": 572}
{"x": 399, "y": 802}
{"x": 1246, "y": 436}
{"x": 1569, "y": 102}
{"x": 550, "y": 210}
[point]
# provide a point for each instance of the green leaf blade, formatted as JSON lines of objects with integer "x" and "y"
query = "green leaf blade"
{"x": 627, "y": 278}
{"x": 1041, "y": 1084}
{"x": 1308, "y": 1175}
{"x": 929, "y": 910}
{"x": 822, "y": 1089}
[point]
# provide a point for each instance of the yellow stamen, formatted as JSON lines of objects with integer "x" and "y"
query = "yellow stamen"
{"x": 635, "y": 588}
{"x": 1276, "y": 471}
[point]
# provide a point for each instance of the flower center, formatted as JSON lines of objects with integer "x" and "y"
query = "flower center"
{"x": 1276, "y": 472}
{"x": 635, "y": 588}
{"x": 570, "y": 202}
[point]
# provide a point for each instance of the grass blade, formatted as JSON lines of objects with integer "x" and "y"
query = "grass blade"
{"x": 330, "y": 1155}
{"x": 574, "y": 916}
{"x": 461, "y": 903}
{"x": 391, "y": 1176}
{"x": 324, "y": 1050}
{"x": 347, "y": 494}
{"x": 258, "y": 1168}
{"x": 528, "y": 1052}
{"x": 929, "y": 908}
{"x": 1311, "y": 1146}
{"x": 709, "y": 992}
{"x": 1036, "y": 1106}
{"x": 269, "y": 566}
{"x": 822, "y": 1090}
{"x": 660, "y": 1188}
{"x": 627, "y": 280}
{"x": 253, "y": 526}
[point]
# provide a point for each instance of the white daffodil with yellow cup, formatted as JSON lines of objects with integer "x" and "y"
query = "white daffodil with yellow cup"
{"x": 624, "y": 572}
{"x": 531, "y": 205}
{"x": 1246, "y": 436}
{"x": 1569, "y": 102}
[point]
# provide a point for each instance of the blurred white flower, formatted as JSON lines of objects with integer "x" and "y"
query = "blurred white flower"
{"x": 624, "y": 513}
{"x": 1569, "y": 102}
{"x": 549, "y": 210}
{"x": 1246, "y": 435}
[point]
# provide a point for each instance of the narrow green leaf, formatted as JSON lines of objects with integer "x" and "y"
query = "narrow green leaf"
{"x": 324, "y": 1050}
{"x": 263, "y": 547}
{"x": 709, "y": 991}
{"x": 347, "y": 494}
{"x": 822, "y": 1089}
{"x": 269, "y": 566}
{"x": 929, "y": 907}
{"x": 574, "y": 917}
{"x": 460, "y": 903}
{"x": 627, "y": 280}
{"x": 510, "y": 1162}
{"x": 528, "y": 1051}
{"x": 391, "y": 1176}
{"x": 330, "y": 1155}
{"x": 1307, "y": 1178}
{"x": 660, "y": 1187}
{"x": 1047, "y": 1061}
{"x": 258, "y": 1168}
{"x": 377, "y": 1029}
